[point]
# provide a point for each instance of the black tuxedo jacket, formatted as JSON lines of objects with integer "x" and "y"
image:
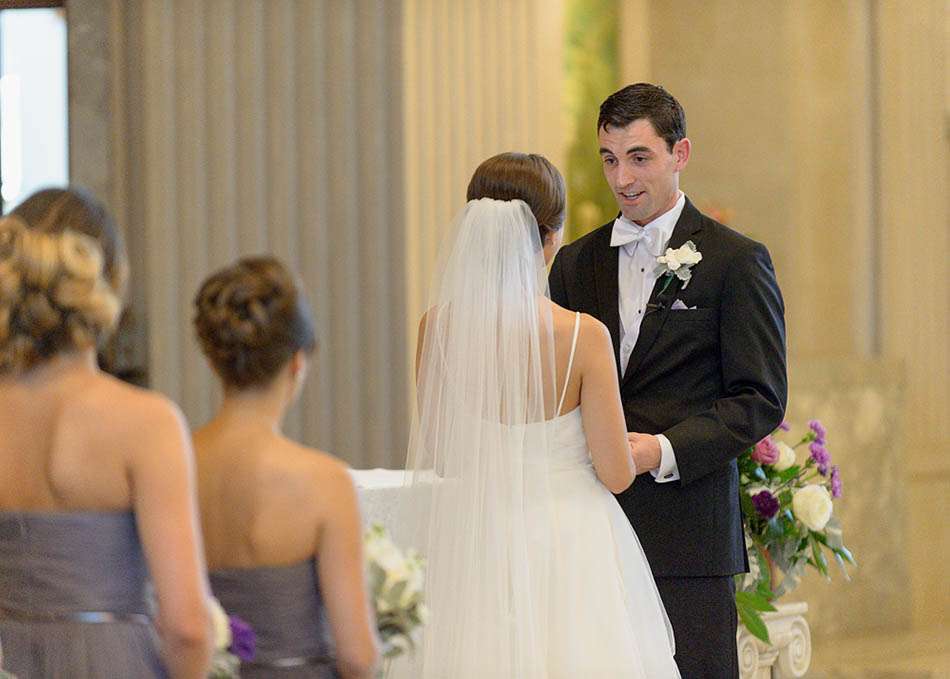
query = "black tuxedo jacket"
{"x": 711, "y": 379}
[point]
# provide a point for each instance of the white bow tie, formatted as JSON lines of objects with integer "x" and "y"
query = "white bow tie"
{"x": 628, "y": 234}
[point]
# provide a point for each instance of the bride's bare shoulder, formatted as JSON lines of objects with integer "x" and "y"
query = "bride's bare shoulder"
{"x": 563, "y": 321}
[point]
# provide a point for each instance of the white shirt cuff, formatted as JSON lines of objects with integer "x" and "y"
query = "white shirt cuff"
{"x": 668, "y": 470}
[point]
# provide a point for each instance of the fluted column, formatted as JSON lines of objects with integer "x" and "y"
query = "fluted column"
{"x": 267, "y": 126}
{"x": 481, "y": 77}
{"x": 912, "y": 151}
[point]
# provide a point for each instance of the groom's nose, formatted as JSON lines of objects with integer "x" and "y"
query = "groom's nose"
{"x": 626, "y": 175}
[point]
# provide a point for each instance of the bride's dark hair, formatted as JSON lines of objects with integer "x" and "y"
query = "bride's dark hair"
{"x": 523, "y": 176}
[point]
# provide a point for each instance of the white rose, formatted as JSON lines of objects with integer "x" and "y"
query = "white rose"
{"x": 394, "y": 575}
{"x": 687, "y": 254}
{"x": 415, "y": 581}
{"x": 786, "y": 457}
{"x": 670, "y": 259}
{"x": 222, "y": 627}
{"x": 812, "y": 506}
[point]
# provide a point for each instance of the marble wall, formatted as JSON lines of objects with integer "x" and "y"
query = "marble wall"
{"x": 821, "y": 128}
{"x": 860, "y": 402}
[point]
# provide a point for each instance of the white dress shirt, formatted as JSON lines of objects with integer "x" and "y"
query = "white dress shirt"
{"x": 639, "y": 248}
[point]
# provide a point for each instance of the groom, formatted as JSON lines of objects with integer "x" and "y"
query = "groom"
{"x": 701, "y": 358}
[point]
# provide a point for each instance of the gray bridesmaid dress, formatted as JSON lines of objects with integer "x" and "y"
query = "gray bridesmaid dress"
{"x": 283, "y": 606}
{"x": 72, "y": 597}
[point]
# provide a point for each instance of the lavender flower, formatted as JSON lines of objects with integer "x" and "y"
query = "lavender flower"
{"x": 835, "y": 482}
{"x": 820, "y": 456}
{"x": 765, "y": 504}
{"x": 819, "y": 431}
{"x": 243, "y": 639}
{"x": 785, "y": 426}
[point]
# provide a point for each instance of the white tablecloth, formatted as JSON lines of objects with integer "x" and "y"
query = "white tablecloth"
{"x": 386, "y": 499}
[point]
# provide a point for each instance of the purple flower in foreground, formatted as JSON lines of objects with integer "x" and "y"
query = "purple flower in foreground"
{"x": 765, "y": 504}
{"x": 835, "y": 482}
{"x": 785, "y": 426}
{"x": 243, "y": 639}
{"x": 819, "y": 430}
{"x": 821, "y": 457}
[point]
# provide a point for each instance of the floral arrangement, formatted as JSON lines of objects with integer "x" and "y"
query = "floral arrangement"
{"x": 788, "y": 507}
{"x": 396, "y": 582}
{"x": 234, "y": 643}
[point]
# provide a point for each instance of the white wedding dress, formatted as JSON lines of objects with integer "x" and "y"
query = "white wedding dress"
{"x": 534, "y": 571}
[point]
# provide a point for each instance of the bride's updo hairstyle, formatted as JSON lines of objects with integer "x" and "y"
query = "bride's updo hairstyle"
{"x": 63, "y": 270}
{"x": 251, "y": 318}
{"x": 523, "y": 176}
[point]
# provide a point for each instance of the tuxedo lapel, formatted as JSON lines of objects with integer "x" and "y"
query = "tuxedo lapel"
{"x": 664, "y": 293}
{"x": 606, "y": 266}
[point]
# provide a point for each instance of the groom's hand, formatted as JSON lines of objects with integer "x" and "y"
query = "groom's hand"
{"x": 645, "y": 451}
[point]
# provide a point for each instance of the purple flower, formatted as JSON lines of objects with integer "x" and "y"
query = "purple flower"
{"x": 835, "y": 482}
{"x": 785, "y": 426}
{"x": 765, "y": 451}
{"x": 765, "y": 504}
{"x": 243, "y": 639}
{"x": 819, "y": 430}
{"x": 820, "y": 456}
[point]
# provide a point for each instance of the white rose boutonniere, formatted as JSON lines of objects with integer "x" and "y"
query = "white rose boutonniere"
{"x": 679, "y": 262}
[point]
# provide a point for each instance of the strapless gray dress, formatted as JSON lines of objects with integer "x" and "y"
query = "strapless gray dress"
{"x": 284, "y": 607}
{"x": 72, "y": 597}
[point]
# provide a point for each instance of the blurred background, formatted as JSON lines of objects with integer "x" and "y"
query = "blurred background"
{"x": 340, "y": 135}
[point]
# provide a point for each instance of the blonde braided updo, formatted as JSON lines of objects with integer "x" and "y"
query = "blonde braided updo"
{"x": 62, "y": 275}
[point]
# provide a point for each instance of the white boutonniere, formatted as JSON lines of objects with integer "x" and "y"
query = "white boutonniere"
{"x": 679, "y": 262}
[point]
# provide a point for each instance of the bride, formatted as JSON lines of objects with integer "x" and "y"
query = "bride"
{"x": 533, "y": 570}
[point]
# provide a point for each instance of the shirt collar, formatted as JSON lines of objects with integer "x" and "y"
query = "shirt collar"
{"x": 663, "y": 225}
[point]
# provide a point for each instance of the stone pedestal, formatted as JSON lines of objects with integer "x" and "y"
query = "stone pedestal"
{"x": 789, "y": 655}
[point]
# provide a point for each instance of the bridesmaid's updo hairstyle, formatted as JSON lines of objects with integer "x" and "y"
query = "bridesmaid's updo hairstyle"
{"x": 251, "y": 318}
{"x": 523, "y": 176}
{"x": 63, "y": 270}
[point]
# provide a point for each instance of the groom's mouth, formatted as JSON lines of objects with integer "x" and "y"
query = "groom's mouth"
{"x": 631, "y": 197}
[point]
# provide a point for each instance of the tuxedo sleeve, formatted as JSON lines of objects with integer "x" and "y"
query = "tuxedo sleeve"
{"x": 755, "y": 383}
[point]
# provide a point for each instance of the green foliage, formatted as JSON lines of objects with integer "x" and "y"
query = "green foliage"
{"x": 592, "y": 73}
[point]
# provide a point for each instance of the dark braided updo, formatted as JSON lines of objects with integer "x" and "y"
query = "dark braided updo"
{"x": 251, "y": 319}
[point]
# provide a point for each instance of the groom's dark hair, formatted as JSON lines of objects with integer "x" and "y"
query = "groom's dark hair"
{"x": 645, "y": 101}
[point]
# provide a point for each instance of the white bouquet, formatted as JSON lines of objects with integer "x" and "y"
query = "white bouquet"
{"x": 396, "y": 583}
{"x": 234, "y": 641}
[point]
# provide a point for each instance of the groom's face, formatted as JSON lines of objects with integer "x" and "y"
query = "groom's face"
{"x": 640, "y": 168}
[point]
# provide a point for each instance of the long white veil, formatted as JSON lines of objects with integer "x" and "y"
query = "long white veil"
{"x": 479, "y": 445}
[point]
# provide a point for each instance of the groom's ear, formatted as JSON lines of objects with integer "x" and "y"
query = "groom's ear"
{"x": 681, "y": 151}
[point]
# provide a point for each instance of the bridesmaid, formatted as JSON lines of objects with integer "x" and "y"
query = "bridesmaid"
{"x": 97, "y": 492}
{"x": 281, "y": 524}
